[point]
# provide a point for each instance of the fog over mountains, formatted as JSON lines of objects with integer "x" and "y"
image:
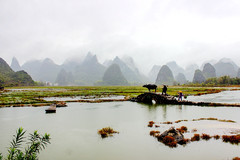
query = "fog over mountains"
{"x": 89, "y": 71}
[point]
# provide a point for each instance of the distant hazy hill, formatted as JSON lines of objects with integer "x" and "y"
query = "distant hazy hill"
{"x": 152, "y": 75}
{"x": 10, "y": 78}
{"x": 228, "y": 60}
{"x": 64, "y": 78}
{"x": 70, "y": 64}
{"x": 225, "y": 68}
{"x": 42, "y": 70}
{"x": 129, "y": 70}
{"x": 15, "y": 65}
{"x": 175, "y": 68}
{"x": 180, "y": 78}
{"x": 190, "y": 70}
{"x": 89, "y": 71}
{"x": 165, "y": 76}
{"x": 113, "y": 76}
{"x": 209, "y": 71}
{"x": 198, "y": 77}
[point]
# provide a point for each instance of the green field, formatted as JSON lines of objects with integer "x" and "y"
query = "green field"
{"x": 34, "y": 95}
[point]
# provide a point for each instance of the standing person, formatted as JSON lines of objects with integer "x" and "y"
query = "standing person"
{"x": 164, "y": 90}
{"x": 180, "y": 95}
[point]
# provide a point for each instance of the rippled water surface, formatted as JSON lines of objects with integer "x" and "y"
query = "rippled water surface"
{"x": 74, "y": 130}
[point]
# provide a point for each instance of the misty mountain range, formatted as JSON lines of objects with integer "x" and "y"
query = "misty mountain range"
{"x": 89, "y": 71}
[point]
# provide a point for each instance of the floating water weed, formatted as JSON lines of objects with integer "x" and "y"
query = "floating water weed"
{"x": 196, "y": 137}
{"x": 150, "y": 123}
{"x": 107, "y": 131}
{"x": 183, "y": 129}
{"x": 169, "y": 141}
{"x": 153, "y": 133}
{"x": 168, "y": 122}
{"x": 233, "y": 139}
{"x": 216, "y": 137}
{"x": 205, "y": 136}
{"x": 178, "y": 121}
{"x": 184, "y": 141}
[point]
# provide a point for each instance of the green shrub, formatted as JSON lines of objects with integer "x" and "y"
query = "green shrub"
{"x": 36, "y": 143}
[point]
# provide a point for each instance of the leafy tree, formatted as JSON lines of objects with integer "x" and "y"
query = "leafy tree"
{"x": 238, "y": 73}
{"x": 224, "y": 80}
{"x": 36, "y": 144}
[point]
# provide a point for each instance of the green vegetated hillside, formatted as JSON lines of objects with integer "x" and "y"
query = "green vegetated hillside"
{"x": 10, "y": 78}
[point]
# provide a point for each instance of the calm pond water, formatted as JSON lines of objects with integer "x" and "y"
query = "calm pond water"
{"x": 222, "y": 97}
{"x": 74, "y": 129}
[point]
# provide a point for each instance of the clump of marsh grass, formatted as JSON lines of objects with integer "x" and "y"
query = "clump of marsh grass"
{"x": 168, "y": 122}
{"x": 151, "y": 123}
{"x": 196, "y": 137}
{"x": 184, "y": 141}
{"x": 233, "y": 139}
{"x": 106, "y": 132}
{"x": 205, "y": 136}
{"x": 214, "y": 119}
{"x": 153, "y": 133}
{"x": 169, "y": 141}
{"x": 216, "y": 137}
{"x": 183, "y": 129}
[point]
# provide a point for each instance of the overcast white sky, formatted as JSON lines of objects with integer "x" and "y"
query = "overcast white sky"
{"x": 150, "y": 31}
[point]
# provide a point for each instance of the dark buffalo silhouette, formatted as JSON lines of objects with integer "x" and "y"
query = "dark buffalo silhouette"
{"x": 1, "y": 88}
{"x": 150, "y": 86}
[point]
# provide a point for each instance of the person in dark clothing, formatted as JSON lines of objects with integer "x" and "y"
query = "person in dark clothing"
{"x": 180, "y": 95}
{"x": 164, "y": 90}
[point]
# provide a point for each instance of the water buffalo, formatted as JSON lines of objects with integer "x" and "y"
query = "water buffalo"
{"x": 150, "y": 86}
{"x": 1, "y": 88}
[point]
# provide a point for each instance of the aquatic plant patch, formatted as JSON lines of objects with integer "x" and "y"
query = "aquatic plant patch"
{"x": 172, "y": 137}
{"x": 106, "y": 132}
